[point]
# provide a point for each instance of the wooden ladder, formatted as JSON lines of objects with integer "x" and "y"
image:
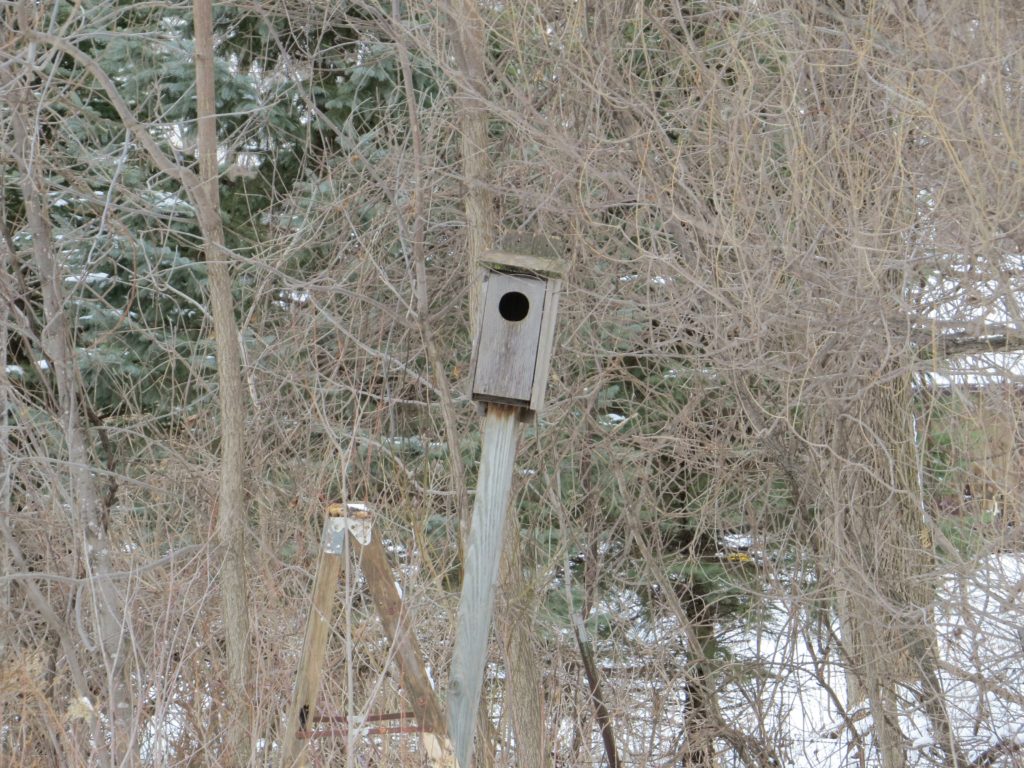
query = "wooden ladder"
{"x": 351, "y": 525}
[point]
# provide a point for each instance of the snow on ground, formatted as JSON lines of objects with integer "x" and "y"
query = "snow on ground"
{"x": 803, "y": 700}
{"x": 787, "y": 689}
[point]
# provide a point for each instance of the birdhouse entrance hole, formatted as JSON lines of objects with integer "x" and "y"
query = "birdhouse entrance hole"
{"x": 514, "y": 306}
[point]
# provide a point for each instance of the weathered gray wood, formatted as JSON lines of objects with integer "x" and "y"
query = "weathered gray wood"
{"x": 507, "y": 345}
{"x": 480, "y": 573}
{"x": 531, "y": 244}
{"x": 545, "y": 345}
{"x": 523, "y": 262}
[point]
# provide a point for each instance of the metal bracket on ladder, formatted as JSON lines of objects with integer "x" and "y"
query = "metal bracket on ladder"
{"x": 358, "y": 522}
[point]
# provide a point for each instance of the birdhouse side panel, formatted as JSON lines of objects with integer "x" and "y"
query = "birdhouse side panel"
{"x": 509, "y": 337}
{"x": 547, "y": 341}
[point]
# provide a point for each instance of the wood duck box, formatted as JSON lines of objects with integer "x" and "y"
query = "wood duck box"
{"x": 516, "y": 329}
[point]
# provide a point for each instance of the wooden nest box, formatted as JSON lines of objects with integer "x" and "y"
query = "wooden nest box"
{"x": 516, "y": 329}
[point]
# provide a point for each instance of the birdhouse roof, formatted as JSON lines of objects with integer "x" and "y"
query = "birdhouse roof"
{"x": 505, "y": 261}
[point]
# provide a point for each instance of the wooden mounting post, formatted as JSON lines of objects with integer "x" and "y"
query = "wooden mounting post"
{"x": 511, "y": 355}
{"x": 483, "y": 556}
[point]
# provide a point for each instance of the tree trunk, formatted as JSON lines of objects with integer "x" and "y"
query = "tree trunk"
{"x": 231, "y": 512}
{"x": 80, "y": 494}
{"x": 518, "y": 599}
{"x": 469, "y": 45}
{"x": 203, "y": 192}
{"x": 468, "y": 37}
{"x": 881, "y": 568}
{"x": 701, "y": 696}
